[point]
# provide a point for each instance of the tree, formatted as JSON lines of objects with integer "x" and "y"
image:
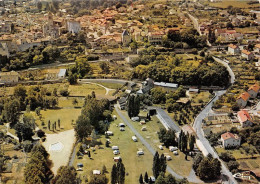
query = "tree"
{"x": 72, "y": 78}
{"x": 208, "y": 168}
{"x": 114, "y": 174}
{"x": 136, "y": 109}
{"x": 12, "y": 111}
{"x": 23, "y": 131}
{"x": 75, "y": 102}
{"x": 98, "y": 179}
{"x": 59, "y": 123}
{"x": 159, "y": 164}
{"x": 130, "y": 106}
{"x": 39, "y": 5}
{"x": 37, "y": 169}
{"x": 192, "y": 142}
{"x": 49, "y": 125}
{"x": 20, "y": 93}
{"x": 104, "y": 169}
{"x": 146, "y": 178}
{"x": 141, "y": 180}
{"x": 104, "y": 67}
{"x": 65, "y": 175}
{"x": 120, "y": 172}
{"x": 158, "y": 95}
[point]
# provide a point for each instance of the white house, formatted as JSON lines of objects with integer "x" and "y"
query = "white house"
{"x": 247, "y": 54}
{"x": 230, "y": 140}
{"x": 254, "y": 90}
{"x": 244, "y": 119}
{"x": 9, "y": 77}
{"x": 233, "y": 49}
{"x": 55, "y": 74}
{"x": 243, "y": 99}
{"x": 73, "y": 26}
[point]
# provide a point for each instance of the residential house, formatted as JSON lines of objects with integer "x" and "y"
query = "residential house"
{"x": 244, "y": 118}
{"x": 155, "y": 38}
{"x": 9, "y": 77}
{"x": 254, "y": 90}
{"x": 233, "y": 49}
{"x": 147, "y": 85}
{"x": 247, "y": 55}
{"x": 73, "y": 26}
{"x": 122, "y": 102}
{"x": 126, "y": 38}
{"x": 243, "y": 99}
{"x": 55, "y": 74}
{"x": 257, "y": 48}
{"x": 230, "y": 140}
{"x": 131, "y": 57}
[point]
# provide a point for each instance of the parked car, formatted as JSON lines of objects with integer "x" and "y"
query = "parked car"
{"x": 134, "y": 138}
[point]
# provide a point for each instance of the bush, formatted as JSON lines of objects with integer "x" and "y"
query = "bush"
{"x": 64, "y": 92}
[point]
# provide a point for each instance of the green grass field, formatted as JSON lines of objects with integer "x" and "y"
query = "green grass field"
{"x": 178, "y": 163}
{"x": 134, "y": 165}
{"x": 86, "y": 89}
{"x": 110, "y": 85}
{"x": 66, "y": 117}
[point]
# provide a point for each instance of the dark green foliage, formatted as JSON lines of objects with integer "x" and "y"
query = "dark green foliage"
{"x": 158, "y": 95}
{"x": 65, "y": 175}
{"x": 167, "y": 137}
{"x": 92, "y": 117}
{"x": 133, "y": 106}
{"x": 207, "y": 168}
{"x": 114, "y": 174}
{"x": 37, "y": 169}
{"x": 159, "y": 164}
{"x": 146, "y": 178}
{"x": 141, "y": 180}
{"x": 169, "y": 69}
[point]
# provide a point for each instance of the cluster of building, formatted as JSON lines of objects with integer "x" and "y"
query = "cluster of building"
{"x": 251, "y": 93}
{"x": 244, "y": 53}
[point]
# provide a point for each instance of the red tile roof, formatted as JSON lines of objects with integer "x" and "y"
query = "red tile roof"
{"x": 246, "y": 52}
{"x": 243, "y": 115}
{"x": 257, "y": 46}
{"x": 229, "y": 135}
{"x": 245, "y": 96}
{"x": 233, "y": 46}
{"x": 255, "y": 87}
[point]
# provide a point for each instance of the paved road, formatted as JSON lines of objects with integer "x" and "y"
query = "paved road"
{"x": 196, "y": 26}
{"x": 231, "y": 73}
{"x": 166, "y": 120}
{"x": 145, "y": 143}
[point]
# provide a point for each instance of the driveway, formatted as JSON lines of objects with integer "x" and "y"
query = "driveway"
{"x": 60, "y": 157}
{"x": 166, "y": 120}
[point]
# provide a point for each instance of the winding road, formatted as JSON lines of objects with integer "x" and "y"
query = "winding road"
{"x": 201, "y": 141}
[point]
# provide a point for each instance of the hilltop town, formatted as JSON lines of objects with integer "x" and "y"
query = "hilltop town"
{"x": 129, "y": 91}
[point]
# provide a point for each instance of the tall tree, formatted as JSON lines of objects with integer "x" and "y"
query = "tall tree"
{"x": 12, "y": 111}
{"x": 114, "y": 175}
{"x": 120, "y": 172}
{"x": 156, "y": 166}
{"x": 141, "y": 180}
{"x": 65, "y": 175}
{"x": 146, "y": 178}
{"x": 136, "y": 109}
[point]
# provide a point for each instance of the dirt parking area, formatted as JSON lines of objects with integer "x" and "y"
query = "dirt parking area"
{"x": 59, "y": 146}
